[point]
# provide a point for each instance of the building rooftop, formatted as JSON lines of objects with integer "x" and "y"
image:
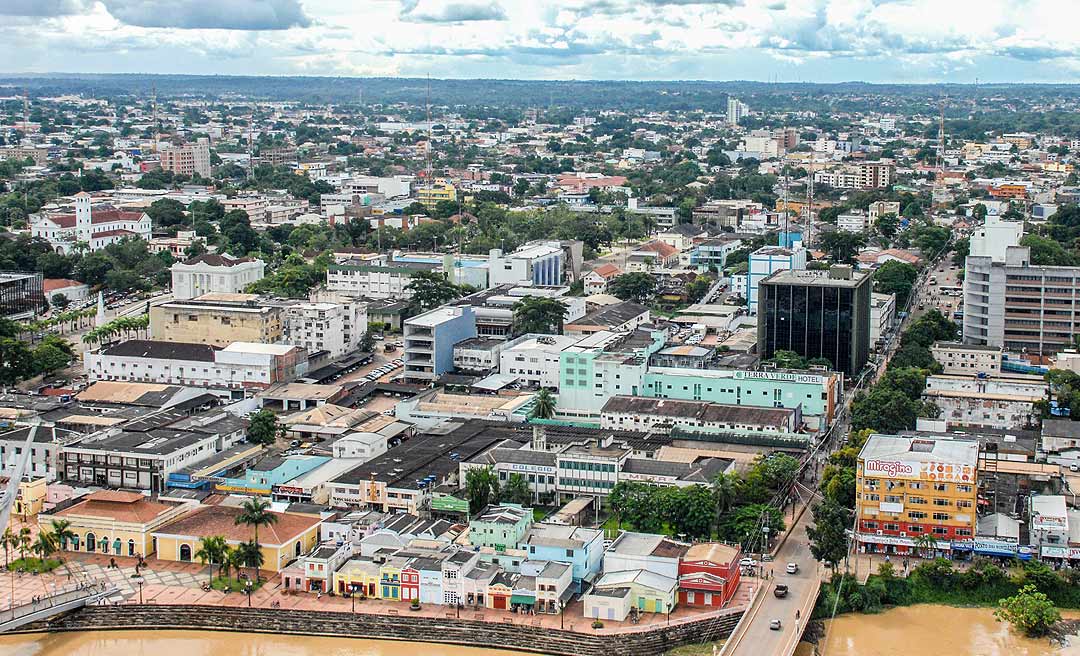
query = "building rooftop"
{"x": 817, "y": 278}
{"x": 221, "y": 520}
{"x": 925, "y": 452}
{"x": 145, "y": 348}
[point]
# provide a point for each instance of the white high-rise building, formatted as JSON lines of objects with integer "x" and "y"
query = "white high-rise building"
{"x": 736, "y": 109}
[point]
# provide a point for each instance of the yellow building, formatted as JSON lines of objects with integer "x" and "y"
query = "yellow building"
{"x": 282, "y": 542}
{"x": 31, "y": 498}
{"x": 112, "y": 522}
{"x": 217, "y": 319}
{"x": 430, "y": 195}
{"x": 911, "y": 490}
{"x": 358, "y": 576}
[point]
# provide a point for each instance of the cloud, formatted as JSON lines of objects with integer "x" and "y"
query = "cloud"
{"x": 41, "y": 8}
{"x": 210, "y": 14}
{"x": 451, "y": 11}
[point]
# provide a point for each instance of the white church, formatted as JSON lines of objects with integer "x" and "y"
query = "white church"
{"x": 96, "y": 228}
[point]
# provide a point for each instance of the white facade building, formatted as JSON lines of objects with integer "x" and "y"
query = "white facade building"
{"x": 534, "y": 359}
{"x": 983, "y": 402}
{"x": 97, "y": 229}
{"x": 240, "y": 365}
{"x": 319, "y": 327}
{"x": 882, "y": 315}
{"x": 212, "y": 273}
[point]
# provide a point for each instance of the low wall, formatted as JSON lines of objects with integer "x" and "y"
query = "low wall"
{"x": 647, "y": 642}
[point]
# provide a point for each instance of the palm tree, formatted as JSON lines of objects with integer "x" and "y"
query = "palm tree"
{"x": 725, "y": 492}
{"x": 544, "y": 408}
{"x": 24, "y": 541}
{"x": 10, "y": 541}
{"x": 61, "y": 530}
{"x": 212, "y": 550}
{"x": 45, "y": 545}
{"x": 252, "y": 555}
{"x": 926, "y": 544}
{"x": 235, "y": 559}
{"x": 256, "y": 513}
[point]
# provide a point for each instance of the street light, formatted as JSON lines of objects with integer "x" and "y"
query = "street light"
{"x": 247, "y": 587}
{"x": 140, "y": 581}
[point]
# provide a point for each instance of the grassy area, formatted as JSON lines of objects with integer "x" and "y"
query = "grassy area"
{"x": 31, "y": 564}
{"x": 703, "y": 649}
{"x": 540, "y": 514}
{"x": 233, "y": 585}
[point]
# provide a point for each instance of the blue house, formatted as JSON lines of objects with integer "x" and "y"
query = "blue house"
{"x": 581, "y": 548}
{"x": 261, "y": 477}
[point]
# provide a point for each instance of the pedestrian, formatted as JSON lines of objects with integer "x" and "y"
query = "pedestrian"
{"x": 797, "y": 613}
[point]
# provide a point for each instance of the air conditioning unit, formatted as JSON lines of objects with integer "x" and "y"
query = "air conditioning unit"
{"x": 880, "y": 532}
{"x": 903, "y": 534}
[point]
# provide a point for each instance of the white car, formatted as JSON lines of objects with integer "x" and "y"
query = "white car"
{"x": 748, "y": 562}
{"x": 793, "y": 568}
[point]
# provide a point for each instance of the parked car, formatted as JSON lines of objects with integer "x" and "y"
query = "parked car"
{"x": 793, "y": 568}
{"x": 780, "y": 591}
{"x": 748, "y": 562}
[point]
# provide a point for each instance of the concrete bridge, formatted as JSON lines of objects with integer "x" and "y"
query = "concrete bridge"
{"x": 47, "y": 607}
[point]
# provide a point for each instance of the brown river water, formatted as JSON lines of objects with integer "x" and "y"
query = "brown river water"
{"x": 933, "y": 631}
{"x": 208, "y": 643}
{"x": 908, "y": 631}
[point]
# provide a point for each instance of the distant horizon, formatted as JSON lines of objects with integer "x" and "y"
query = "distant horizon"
{"x": 422, "y": 78}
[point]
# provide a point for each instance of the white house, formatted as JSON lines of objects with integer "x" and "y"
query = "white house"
{"x": 534, "y": 359}
{"x": 97, "y": 229}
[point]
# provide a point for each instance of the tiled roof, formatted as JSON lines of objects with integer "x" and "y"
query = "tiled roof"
{"x": 221, "y": 520}
{"x": 96, "y": 218}
{"x": 117, "y": 506}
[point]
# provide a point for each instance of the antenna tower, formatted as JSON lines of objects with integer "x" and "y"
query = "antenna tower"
{"x": 26, "y": 110}
{"x": 427, "y": 105}
{"x": 153, "y": 105}
{"x": 250, "y": 145}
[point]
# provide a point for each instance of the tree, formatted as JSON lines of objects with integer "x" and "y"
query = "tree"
{"x": 213, "y": 549}
{"x": 431, "y": 289}
{"x": 842, "y": 245}
{"x": 747, "y": 524}
{"x": 638, "y": 287}
{"x": 925, "y": 544}
{"x": 49, "y": 358}
{"x": 536, "y": 314}
{"x": 516, "y": 490}
{"x": 60, "y": 301}
{"x": 691, "y": 510}
{"x": 1028, "y": 610}
{"x": 10, "y": 541}
{"x": 697, "y": 288}
{"x": 895, "y": 277}
{"x": 481, "y": 488}
{"x": 256, "y": 513}
{"x": 263, "y": 428}
{"x": 544, "y": 407}
{"x": 367, "y": 341}
{"x": 828, "y": 537}
{"x": 16, "y": 361}
{"x": 961, "y": 249}
{"x": 61, "y": 530}
{"x": 251, "y": 555}
{"x": 44, "y": 545}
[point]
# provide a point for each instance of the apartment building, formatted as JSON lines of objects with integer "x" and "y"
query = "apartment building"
{"x": 430, "y": 339}
{"x": 430, "y": 195}
{"x": 981, "y": 401}
{"x": 322, "y": 327}
{"x": 374, "y": 277}
{"x": 766, "y": 261}
{"x": 188, "y": 159}
{"x": 958, "y": 358}
{"x": 907, "y": 487}
{"x": 218, "y": 320}
{"x": 212, "y": 273}
{"x": 1010, "y": 302}
{"x": 870, "y": 175}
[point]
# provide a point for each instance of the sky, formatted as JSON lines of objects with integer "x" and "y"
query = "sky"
{"x": 901, "y": 41}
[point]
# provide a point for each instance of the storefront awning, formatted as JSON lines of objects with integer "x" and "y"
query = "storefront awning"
{"x": 522, "y": 599}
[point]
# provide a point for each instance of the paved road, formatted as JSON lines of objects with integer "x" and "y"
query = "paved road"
{"x": 754, "y": 635}
{"x": 757, "y": 638}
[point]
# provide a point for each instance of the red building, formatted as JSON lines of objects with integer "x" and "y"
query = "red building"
{"x": 410, "y": 584}
{"x": 708, "y": 574}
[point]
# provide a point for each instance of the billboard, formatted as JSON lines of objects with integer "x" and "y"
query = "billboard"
{"x": 913, "y": 470}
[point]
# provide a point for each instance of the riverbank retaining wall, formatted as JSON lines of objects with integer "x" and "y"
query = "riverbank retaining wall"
{"x": 645, "y": 642}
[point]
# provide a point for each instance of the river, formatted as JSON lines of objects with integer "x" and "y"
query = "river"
{"x": 209, "y": 643}
{"x": 935, "y": 630}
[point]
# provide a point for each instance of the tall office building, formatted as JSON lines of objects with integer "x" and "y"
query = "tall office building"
{"x": 817, "y": 314}
{"x": 1010, "y": 302}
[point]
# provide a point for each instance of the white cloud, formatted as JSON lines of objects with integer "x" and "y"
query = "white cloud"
{"x": 876, "y": 40}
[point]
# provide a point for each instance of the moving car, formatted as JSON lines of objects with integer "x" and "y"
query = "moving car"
{"x": 793, "y": 568}
{"x": 780, "y": 591}
{"x": 774, "y": 625}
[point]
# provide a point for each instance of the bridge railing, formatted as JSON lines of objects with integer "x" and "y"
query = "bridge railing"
{"x": 52, "y": 601}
